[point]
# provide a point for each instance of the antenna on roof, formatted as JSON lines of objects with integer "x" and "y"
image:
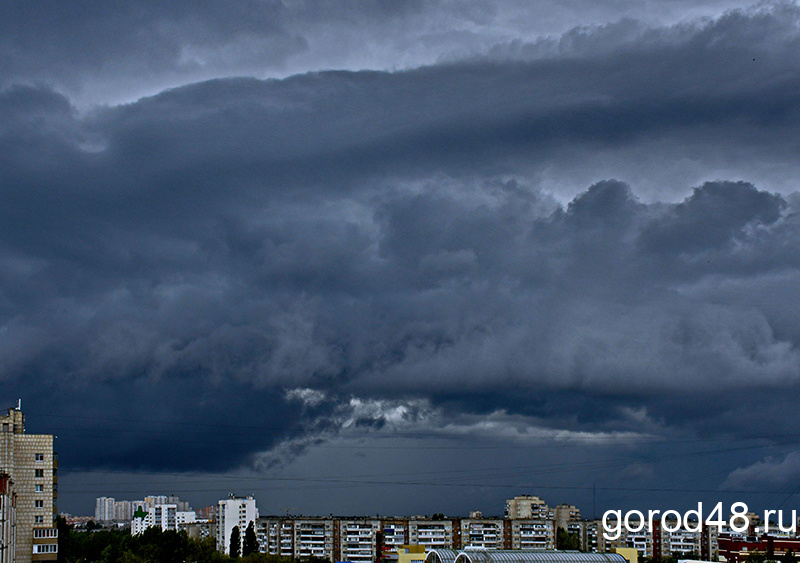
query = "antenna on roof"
{"x": 19, "y": 404}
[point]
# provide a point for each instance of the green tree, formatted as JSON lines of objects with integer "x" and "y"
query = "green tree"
{"x": 236, "y": 542}
{"x": 250, "y": 544}
{"x": 565, "y": 540}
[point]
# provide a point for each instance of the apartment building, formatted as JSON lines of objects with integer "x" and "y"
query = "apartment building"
{"x": 276, "y": 536}
{"x": 164, "y": 516}
{"x": 593, "y": 539}
{"x": 687, "y": 541}
{"x": 354, "y": 539}
{"x": 313, "y": 537}
{"x": 434, "y": 534}
{"x": 234, "y": 511}
{"x": 528, "y": 507}
{"x": 532, "y": 534}
{"x": 394, "y": 533}
{"x": 565, "y": 514}
{"x": 490, "y": 534}
{"x": 104, "y": 509}
{"x": 8, "y": 520}
{"x": 30, "y": 466}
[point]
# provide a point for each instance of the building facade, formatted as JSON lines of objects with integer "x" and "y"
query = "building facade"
{"x": 532, "y": 534}
{"x": 30, "y": 464}
{"x": 355, "y": 540}
{"x": 104, "y": 509}
{"x": 434, "y": 534}
{"x": 528, "y": 507}
{"x": 232, "y": 512}
{"x": 8, "y": 520}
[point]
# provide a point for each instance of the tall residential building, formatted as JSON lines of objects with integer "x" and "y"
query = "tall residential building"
{"x": 234, "y": 511}
{"x": 104, "y": 509}
{"x": 8, "y": 520}
{"x": 563, "y": 514}
{"x": 30, "y": 464}
{"x": 123, "y": 511}
{"x": 164, "y": 516}
{"x": 528, "y": 508}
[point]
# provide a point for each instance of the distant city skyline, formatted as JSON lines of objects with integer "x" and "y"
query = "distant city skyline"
{"x": 405, "y": 257}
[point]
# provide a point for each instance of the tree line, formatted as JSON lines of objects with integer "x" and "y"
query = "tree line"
{"x": 157, "y": 546}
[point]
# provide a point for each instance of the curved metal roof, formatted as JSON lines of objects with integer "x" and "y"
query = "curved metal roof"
{"x": 534, "y": 556}
{"x": 441, "y": 556}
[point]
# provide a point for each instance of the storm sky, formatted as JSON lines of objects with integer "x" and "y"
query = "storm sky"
{"x": 378, "y": 257}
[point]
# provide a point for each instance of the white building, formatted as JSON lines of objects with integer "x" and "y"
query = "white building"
{"x": 185, "y": 517}
{"x": 164, "y": 516}
{"x": 104, "y": 509}
{"x": 234, "y": 511}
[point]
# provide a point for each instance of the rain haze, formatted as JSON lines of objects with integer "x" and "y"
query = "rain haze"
{"x": 400, "y": 258}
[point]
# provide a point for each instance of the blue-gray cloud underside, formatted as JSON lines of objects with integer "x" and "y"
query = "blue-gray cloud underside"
{"x": 417, "y": 234}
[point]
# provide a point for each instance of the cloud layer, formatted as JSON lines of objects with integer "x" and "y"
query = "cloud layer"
{"x": 582, "y": 236}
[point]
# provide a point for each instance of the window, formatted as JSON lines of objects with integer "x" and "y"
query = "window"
{"x": 38, "y": 519}
{"x": 39, "y": 457}
{"x": 39, "y": 473}
{"x": 45, "y": 548}
{"x": 39, "y": 503}
{"x": 39, "y": 488}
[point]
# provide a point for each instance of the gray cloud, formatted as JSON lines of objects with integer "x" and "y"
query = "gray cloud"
{"x": 122, "y": 50}
{"x": 490, "y": 248}
{"x": 770, "y": 471}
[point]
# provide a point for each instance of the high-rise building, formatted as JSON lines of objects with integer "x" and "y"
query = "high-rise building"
{"x": 123, "y": 511}
{"x": 234, "y": 511}
{"x": 564, "y": 514}
{"x": 104, "y": 509}
{"x": 30, "y": 465}
{"x": 8, "y": 520}
{"x": 528, "y": 507}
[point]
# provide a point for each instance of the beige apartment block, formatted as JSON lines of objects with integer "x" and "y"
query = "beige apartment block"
{"x": 528, "y": 507}
{"x": 8, "y": 520}
{"x": 564, "y": 514}
{"x": 31, "y": 465}
{"x": 433, "y": 534}
{"x": 533, "y": 534}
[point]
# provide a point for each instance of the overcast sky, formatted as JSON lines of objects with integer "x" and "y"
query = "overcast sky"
{"x": 362, "y": 257}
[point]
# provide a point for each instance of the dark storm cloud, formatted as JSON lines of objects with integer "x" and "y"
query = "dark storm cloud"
{"x": 121, "y": 50}
{"x": 388, "y": 240}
